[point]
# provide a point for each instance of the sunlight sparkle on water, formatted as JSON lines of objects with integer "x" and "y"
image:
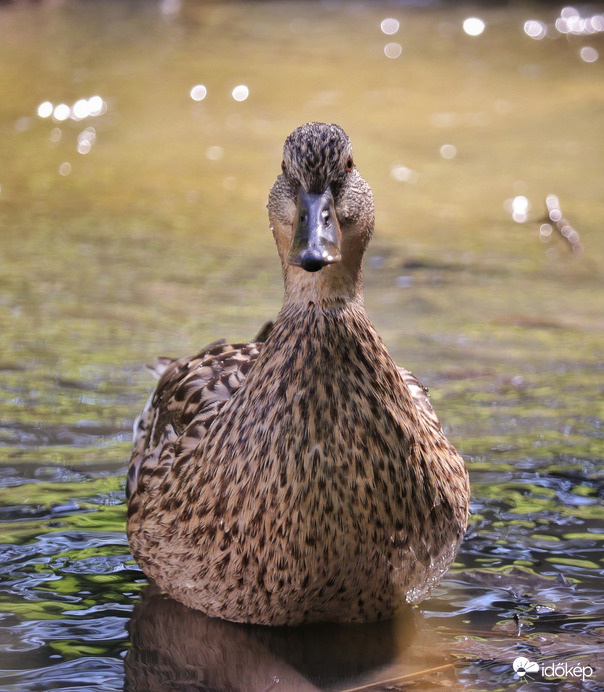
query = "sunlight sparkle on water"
{"x": 86, "y": 139}
{"x": 81, "y": 109}
{"x": 96, "y": 106}
{"x": 545, "y": 232}
{"x": 61, "y": 112}
{"x": 579, "y": 26}
{"x": 393, "y": 50}
{"x": 45, "y": 109}
{"x": 589, "y": 54}
{"x": 390, "y": 26}
{"x": 518, "y": 207}
{"x": 569, "y": 22}
{"x": 198, "y": 92}
{"x": 535, "y": 29}
{"x": 473, "y": 26}
{"x": 240, "y": 92}
{"x": 403, "y": 174}
{"x": 448, "y": 151}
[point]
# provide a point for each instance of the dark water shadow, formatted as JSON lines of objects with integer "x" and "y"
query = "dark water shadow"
{"x": 175, "y": 648}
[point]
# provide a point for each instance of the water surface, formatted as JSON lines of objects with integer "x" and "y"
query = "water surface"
{"x": 139, "y": 229}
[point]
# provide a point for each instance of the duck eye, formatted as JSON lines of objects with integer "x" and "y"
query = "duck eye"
{"x": 349, "y": 164}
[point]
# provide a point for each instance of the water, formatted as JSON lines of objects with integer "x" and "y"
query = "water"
{"x": 140, "y": 230}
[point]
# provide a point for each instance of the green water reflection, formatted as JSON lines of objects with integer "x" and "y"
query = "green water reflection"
{"x": 147, "y": 236}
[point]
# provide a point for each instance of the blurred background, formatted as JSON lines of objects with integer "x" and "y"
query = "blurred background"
{"x": 138, "y": 142}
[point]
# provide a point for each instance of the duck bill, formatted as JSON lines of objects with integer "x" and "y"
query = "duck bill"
{"x": 316, "y": 241}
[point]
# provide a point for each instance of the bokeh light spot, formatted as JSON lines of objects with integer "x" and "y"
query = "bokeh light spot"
{"x": 86, "y": 139}
{"x": 45, "y": 109}
{"x": 448, "y": 151}
{"x": 61, "y": 112}
{"x": 96, "y": 106}
{"x": 403, "y": 174}
{"x": 393, "y": 50}
{"x": 519, "y": 207}
{"x": 545, "y": 232}
{"x": 81, "y": 109}
{"x": 589, "y": 54}
{"x": 473, "y": 26}
{"x": 198, "y": 92}
{"x": 240, "y": 92}
{"x": 390, "y": 26}
{"x": 535, "y": 29}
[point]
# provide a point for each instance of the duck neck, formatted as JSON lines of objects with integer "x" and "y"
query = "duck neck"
{"x": 315, "y": 334}
{"x": 332, "y": 288}
{"x": 320, "y": 356}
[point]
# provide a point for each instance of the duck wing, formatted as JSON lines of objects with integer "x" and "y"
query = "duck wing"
{"x": 189, "y": 389}
{"x": 421, "y": 398}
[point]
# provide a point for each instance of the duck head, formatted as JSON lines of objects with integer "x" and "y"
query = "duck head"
{"x": 321, "y": 213}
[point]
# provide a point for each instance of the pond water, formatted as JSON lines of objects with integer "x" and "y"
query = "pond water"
{"x": 133, "y": 225}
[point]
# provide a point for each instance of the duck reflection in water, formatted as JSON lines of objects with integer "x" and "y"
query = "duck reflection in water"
{"x": 302, "y": 477}
{"x": 177, "y": 648}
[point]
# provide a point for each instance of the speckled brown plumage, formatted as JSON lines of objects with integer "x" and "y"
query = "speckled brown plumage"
{"x": 304, "y": 477}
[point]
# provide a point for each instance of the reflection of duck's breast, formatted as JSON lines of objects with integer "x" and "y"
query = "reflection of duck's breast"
{"x": 173, "y": 645}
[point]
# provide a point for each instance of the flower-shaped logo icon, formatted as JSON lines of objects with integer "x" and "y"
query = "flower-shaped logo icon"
{"x": 522, "y": 666}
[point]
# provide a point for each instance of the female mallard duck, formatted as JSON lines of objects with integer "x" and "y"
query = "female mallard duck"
{"x": 303, "y": 476}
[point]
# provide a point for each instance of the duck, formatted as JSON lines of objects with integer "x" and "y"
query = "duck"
{"x": 302, "y": 476}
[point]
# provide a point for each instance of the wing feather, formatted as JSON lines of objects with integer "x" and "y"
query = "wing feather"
{"x": 193, "y": 388}
{"x": 421, "y": 400}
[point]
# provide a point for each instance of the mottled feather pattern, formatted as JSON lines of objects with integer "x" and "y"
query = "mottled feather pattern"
{"x": 231, "y": 496}
{"x": 318, "y": 156}
{"x": 421, "y": 399}
{"x": 188, "y": 388}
